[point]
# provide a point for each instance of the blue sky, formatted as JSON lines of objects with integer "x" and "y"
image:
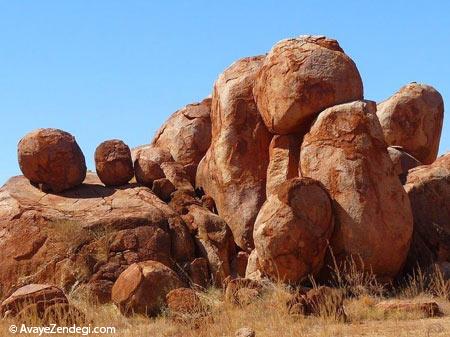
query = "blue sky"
{"x": 117, "y": 69}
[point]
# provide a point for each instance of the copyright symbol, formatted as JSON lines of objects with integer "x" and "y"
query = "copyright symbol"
{"x": 12, "y": 329}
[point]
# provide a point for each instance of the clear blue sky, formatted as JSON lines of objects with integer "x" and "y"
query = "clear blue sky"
{"x": 116, "y": 69}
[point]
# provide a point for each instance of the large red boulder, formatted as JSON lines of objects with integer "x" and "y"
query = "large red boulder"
{"x": 301, "y": 77}
{"x": 412, "y": 119}
{"x": 113, "y": 163}
{"x": 233, "y": 171}
{"x": 428, "y": 188}
{"x": 52, "y": 159}
{"x": 345, "y": 150}
{"x": 292, "y": 231}
{"x": 186, "y": 135}
{"x": 142, "y": 288}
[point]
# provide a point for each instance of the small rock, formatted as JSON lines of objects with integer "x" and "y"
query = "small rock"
{"x": 184, "y": 304}
{"x": 428, "y": 308}
{"x": 113, "y": 163}
{"x": 245, "y": 332}
{"x": 147, "y": 170}
{"x": 242, "y": 291}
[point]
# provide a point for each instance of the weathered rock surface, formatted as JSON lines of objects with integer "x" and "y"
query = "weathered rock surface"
{"x": 89, "y": 234}
{"x": 321, "y": 301}
{"x": 184, "y": 304}
{"x": 142, "y": 288}
{"x": 402, "y": 161}
{"x": 345, "y": 150}
{"x": 113, "y": 163}
{"x": 147, "y": 170}
{"x": 186, "y": 135}
{"x": 301, "y": 77}
{"x": 40, "y": 296}
{"x": 242, "y": 291}
{"x": 52, "y": 159}
{"x": 427, "y": 308}
{"x": 163, "y": 188}
{"x": 253, "y": 270}
{"x": 199, "y": 273}
{"x": 233, "y": 171}
{"x": 292, "y": 230}
{"x": 428, "y": 188}
{"x": 412, "y": 119}
{"x": 284, "y": 154}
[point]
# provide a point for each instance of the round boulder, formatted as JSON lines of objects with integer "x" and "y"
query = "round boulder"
{"x": 412, "y": 119}
{"x": 143, "y": 286}
{"x": 52, "y": 158}
{"x": 301, "y": 77}
{"x": 113, "y": 163}
{"x": 292, "y": 230}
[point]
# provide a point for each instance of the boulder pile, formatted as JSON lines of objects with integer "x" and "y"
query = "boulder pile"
{"x": 285, "y": 171}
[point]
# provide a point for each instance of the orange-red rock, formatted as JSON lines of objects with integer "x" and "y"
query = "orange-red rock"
{"x": 301, "y": 77}
{"x": 412, "y": 118}
{"x": 292, "y": 230}
{"x": 233, "y": 171}
{"x": 427, "y": 308}
{"x": 40, "y": 295}
{"x": 183, "y": 302}
{"x": 51, "y": 158}
{"x": 147, "y": 170}
{"x": 346, "y": 151}
{"x": 113, "y": 163}
{"x": 284, "y": 154}
{"x": 428, "y": 188}
{"x": 89, "y": 234}
{"x": 186, "y": 135}
{"x": 142, "y": 288}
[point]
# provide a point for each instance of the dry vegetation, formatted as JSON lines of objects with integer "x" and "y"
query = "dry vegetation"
{"x": 268, "y": 316}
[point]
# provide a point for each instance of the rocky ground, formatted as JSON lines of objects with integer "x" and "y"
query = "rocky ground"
{"x": 285, "y": 203}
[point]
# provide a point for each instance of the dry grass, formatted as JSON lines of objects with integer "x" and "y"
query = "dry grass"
{"x": 268, "y": 315}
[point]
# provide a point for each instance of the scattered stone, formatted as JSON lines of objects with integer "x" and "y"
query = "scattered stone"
{"x": 300, "y": 77}
{"x": 233, "y": 171}
{"x": 52, "y": 159}
{"x": 292, "y": 230}
{"x": 242, "y": 291}
{"x": 131, "y": 290}
{"x": 184, "y": 305}
{"x": 113, "y": 163}
{"x": 345, "y": 151}
{"x": 245, "y": 332}
{"x": 427, "y": 308}
{"x": 412, "y": 119}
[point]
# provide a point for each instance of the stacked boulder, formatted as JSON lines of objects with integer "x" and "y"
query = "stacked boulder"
{"x": 285, "y": 171}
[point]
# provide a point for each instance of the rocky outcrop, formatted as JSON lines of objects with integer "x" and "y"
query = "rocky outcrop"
{"x": 428, "y": 189}
{"x": 146, "y": 170}
{"x": 186, "y": 135}
{"x": 426, "y": 308}
{"x": 87, "y": 235}
{"x": 412, "y": 119}
{"x": 284, "y": 154}
{"x": 113, "y": 163}
{"x": 301, "y": 77}
{"x": 345, "y": 151}
{"x": 292, "y": 231}
{"x": 142, "y": 288}
{"x": 52, "y": 159}
{"x": 233, "y": 171}
{"x": 184, "y": 305}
